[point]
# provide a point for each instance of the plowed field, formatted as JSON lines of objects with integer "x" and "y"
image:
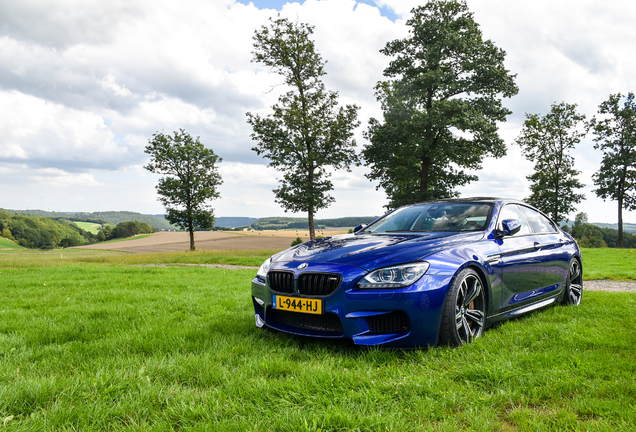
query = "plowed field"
{"x": 209, "y": 240}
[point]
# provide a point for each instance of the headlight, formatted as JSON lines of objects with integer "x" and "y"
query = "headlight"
{"x": 264, "y": 268}
{"x": 394, "y": 277}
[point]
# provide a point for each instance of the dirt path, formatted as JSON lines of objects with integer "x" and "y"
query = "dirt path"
{"x": 605, "y": 285}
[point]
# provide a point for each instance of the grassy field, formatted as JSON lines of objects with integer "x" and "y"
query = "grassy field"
{"x": 607, "y": 263}
{"x": 89, "y": 226}
{"x": 9, "y": 245}
{"x": 94, "y": 341}
{"x": 81, "y": 257}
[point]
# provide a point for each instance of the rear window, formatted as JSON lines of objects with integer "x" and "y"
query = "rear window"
{"x": 539, "y": 223}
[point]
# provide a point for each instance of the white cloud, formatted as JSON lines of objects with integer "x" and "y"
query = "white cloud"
{"x": 42, "y": 134}
{"x": 109, "y": 83}
{"x": 84, "y": 85}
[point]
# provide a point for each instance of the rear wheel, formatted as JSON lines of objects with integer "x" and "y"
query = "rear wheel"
{"x": 464, "y": 311}
{"x": 573, "y": 285}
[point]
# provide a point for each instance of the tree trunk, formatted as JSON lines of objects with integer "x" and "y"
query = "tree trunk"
{"x": 620, "y": 223}
{"x": 191, "y": 231}
{"x": 310, "y": 212}
{"x": 424, "y": 173}
{"x": 310, "y": 219}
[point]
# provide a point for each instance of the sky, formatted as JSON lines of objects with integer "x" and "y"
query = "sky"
{"x": 84, "y": 84}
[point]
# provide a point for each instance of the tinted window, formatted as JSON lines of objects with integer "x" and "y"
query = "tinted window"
{"x": 539, "y": 223}
{"x": 512, "y": 211}
{"x": 457, "y": 216}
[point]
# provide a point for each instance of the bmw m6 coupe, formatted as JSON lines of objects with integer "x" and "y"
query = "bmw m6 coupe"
{"x": 432, "y": 273}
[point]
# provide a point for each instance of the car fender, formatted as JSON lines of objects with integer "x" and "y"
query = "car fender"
{"x": 454, "y": 261}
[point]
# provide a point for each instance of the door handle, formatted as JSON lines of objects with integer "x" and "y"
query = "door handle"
{"x": 537, "y": 246}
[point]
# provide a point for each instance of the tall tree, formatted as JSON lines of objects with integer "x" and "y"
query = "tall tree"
{"x": 441, "y": 106}
{"x": 307, "y": 135}
{"x": 192, "y": 179}
{"x": 546, "y": 141}
{"x": 616, "y": 137}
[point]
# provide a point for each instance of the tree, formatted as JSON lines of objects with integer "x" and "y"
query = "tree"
{"x": 192, "y": 179}
{"x": 616, "y": 137}
{"x": 441, "y": 106}
{"x": 546, "y": 142}
{"x": 587, "y": 234}
{"x": 131, "y": 228}
{"x": 307, "y": 135}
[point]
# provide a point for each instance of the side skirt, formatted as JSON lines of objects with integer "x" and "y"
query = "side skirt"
{"x": 522, "y": 310}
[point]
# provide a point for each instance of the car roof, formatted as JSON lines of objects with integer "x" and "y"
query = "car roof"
{"x": 468, "y": 199}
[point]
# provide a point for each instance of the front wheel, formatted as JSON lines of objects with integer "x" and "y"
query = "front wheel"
{"x": 464, "y": 311}
{"x": 573, "y": 285}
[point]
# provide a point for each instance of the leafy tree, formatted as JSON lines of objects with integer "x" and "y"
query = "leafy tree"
{"x": 546, "y": 141}
{"x": 615, "y": 135}
{"x": 131, "y": 228}
{"x": 587, "y": 234}
{"x": 590, "y": 235}
{"x": 307, "y": 135}
{"x": 42, "y": 232}
{"x": 441, "y": 106}
{"x": 192, "y": 179}
{"x": 68, "y": 242}
{"x": 7, "y": 233}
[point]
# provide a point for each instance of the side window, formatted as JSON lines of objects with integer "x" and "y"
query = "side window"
{"x": 540, "y": 223}
{"x": 512, "y": 211}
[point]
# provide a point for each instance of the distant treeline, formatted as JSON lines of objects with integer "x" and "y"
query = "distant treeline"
{"x": 627, "y": 227}
{"x": 234, "y": 222}
{"x": 113, "y": 217}
{"x": 123, "y": 230}
{"x": 278, "y": 223}
{"x": 592, "y": 236}
{"x": 45, "y": 233}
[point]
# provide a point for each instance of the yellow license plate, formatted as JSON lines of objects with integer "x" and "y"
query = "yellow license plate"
{"x": 313, "y": 306}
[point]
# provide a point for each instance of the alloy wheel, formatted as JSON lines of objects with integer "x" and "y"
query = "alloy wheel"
{"x": 574, "y": 287}
{"x": 470, "y": 314}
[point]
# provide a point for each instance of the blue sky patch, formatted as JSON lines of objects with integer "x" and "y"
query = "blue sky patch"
{"x": 278, "y": 5}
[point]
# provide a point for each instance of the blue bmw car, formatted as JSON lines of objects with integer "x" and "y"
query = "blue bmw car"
{"x": 432, "y": 273}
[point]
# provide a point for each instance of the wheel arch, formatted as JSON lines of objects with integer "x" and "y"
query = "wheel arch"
{"x": 484, "y": 281}
{"x": 481, "y": 272}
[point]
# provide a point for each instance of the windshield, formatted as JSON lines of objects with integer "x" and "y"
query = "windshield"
{"x": 451, "y": 216}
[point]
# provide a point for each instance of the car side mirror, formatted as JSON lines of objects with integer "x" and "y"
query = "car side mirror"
{"x": 359, "y": 227}
{"x": 510, "y": 227}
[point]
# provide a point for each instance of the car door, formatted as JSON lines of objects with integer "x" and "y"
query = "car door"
{"x": 522, "y": 264}
{"x": 550, "y": 242}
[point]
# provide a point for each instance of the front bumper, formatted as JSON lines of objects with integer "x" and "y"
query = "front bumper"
{"x": 406, "y": 317}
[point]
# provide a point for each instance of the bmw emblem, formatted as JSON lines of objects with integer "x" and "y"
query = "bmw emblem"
{"x": 302, "y": 266}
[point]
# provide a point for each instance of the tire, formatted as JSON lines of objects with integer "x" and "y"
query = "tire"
{"x": 573, "y": 285}
{"x": 464, "y": 315}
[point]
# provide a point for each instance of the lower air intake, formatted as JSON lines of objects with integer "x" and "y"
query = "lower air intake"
{"x": 394, "y": 322}
{"x": 327, "y": 322}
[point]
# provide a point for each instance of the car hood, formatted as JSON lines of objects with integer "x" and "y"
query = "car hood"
{"x": 371, "y": 251}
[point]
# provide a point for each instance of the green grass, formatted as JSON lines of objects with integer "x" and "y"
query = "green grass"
{"x": 9, "y": 245}
{"x": 81, "y": 257}
{"x": 89, "y": 226}
{"x": 609, "y": 263}
{"x": 88, "y": 342}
